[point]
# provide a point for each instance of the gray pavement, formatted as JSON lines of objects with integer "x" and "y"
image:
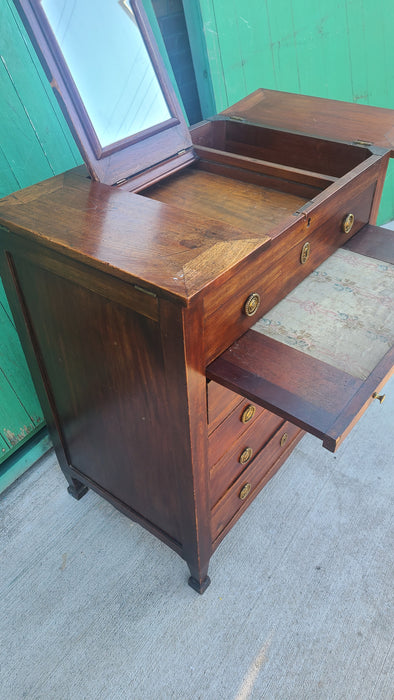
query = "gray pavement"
{"x": 300, "y": 605}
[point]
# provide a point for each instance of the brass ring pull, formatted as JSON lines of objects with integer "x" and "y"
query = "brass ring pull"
{"x": 252, "y": 304}
{"x": 347, "y": 223}
{"x": 248, "y": 413}
{"x": 246, "y": 455}
{"x": 305, "y": 253}
{"x": 245, "y": 491}
{"x": 380, "y": 397}
{"x": 283, "y": 439}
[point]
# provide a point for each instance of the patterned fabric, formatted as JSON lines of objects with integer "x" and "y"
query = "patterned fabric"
{"x": 342, "y": 314}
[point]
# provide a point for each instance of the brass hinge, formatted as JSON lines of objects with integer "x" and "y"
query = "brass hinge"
{"x": 144, "y": 291}
{"x": 359, "y": 142}
{"x": 120, "y": 182}
{"x": 237, "y": 119}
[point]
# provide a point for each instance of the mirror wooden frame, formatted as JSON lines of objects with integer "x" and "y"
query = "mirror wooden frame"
{"x": 127, "y": 160}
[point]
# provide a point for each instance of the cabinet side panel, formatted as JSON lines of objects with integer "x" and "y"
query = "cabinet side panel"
{"x": 105, "y": 369}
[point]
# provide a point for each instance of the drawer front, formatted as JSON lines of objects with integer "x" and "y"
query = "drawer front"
{"x": 279, "y": 268}
{"x": 220, "y": 403}
{"x": 237, "y": 424}
{"x": 241, "y": 453}
{"x": 251, "y": 481}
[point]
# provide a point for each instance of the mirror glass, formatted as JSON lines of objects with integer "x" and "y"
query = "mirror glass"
{"x": 115, "y": 79}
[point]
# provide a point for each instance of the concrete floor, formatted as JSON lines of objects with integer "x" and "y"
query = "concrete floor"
{"x": 300, "y": 605}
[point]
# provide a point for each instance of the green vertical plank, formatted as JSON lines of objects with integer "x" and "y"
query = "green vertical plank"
{"x": 283, "y": 43}
{"x": 14, "y": 368}
{"x": 8, "y": 181}
{"x": 199, "y": 50}
{"x": 55, "y": 132}
{"x": 4, "y": 449}
{"x": 253, "y": 28}
{"x": 18, "y": 140}
{"x": 5, "y": 304}
{"x": 386, "y": 209}
{"x": 322, "y": 48}
{"x": 15, "y": 423}
{"x": 150, "y": 13}
{"x": 34, "y": 137}
{"x": 20, "y": 411}
{"x": 356, "y": 17}
{"x": 228, "y": 22}
{"x": 19, "y": 460}
{"x": 218, "y": 78}
{"x": 376, "y": 80}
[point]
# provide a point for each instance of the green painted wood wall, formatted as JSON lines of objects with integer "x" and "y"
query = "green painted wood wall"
{"x": 341, "y": 49}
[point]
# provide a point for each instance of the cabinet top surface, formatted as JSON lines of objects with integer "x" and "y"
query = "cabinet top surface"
{"x": 172, "y": 251}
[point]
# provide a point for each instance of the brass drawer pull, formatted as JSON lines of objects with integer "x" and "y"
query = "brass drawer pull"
{"x": 305, "y": 253}
{"x": 347, "y": 223}
{"x": 379, "y": 397}
{"x": 245, "y": 491}
{"x": 246, "y": 455}
{"x": 252, "y": 304}
{"x": 248, "y": 413}
{"x": 283, "y": 439}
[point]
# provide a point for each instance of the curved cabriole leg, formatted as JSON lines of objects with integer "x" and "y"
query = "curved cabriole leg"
{"x": 76, "y": 488}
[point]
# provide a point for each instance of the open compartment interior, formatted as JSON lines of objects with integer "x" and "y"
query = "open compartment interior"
{"x": 273, "y": 173}
{"x": 329, "y": 158}
{"x": 248, "y": 206}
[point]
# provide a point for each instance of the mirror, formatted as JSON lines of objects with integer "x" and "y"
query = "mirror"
{"x": 107, "y": 74}
{"x": 117, "y": 82}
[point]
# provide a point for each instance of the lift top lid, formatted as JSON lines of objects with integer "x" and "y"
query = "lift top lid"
{"x": 105, "y": 68}
{"x": 320, "y": 117}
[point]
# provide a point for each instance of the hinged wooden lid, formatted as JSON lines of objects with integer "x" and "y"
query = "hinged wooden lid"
{"x": 105, "y": 68}
{"x": 315, "y": 116}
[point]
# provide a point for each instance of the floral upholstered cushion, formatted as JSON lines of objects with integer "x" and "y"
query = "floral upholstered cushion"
{"x": 342, "y": 314}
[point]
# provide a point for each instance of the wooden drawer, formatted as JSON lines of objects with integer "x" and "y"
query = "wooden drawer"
{"x": 232, "y": 429}
{"x": 239, "y": 454}
{"x": 253, "y": 478}
{"x": 322, "y": 381}
{"x": 276, "y": 271}
{"x": 220, "y": 402}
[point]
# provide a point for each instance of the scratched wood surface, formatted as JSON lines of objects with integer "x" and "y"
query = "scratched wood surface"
{"x": 341, "y": 50}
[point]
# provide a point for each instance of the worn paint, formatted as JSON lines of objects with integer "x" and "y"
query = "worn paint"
{"x": 20, "y": 411}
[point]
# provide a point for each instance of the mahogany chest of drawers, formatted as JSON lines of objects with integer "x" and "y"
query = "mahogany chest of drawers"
{"x": 137, "y": 310}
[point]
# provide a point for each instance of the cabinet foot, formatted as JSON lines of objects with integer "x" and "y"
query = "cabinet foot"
{"x": 76, "y": 489}
{"x": 197, "y": 586}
